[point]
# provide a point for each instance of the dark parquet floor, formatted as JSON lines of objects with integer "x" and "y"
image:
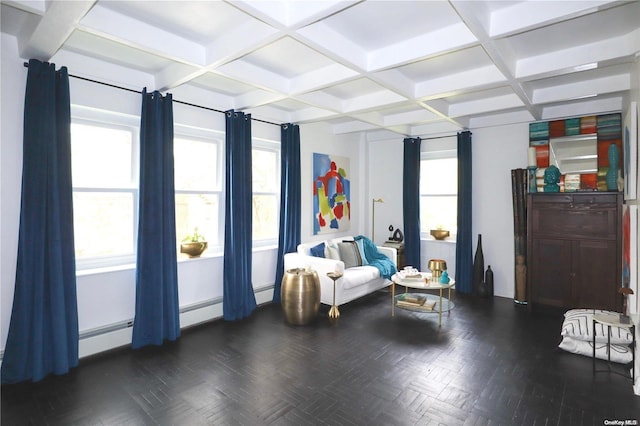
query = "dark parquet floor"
{"x": 491, "y": 363}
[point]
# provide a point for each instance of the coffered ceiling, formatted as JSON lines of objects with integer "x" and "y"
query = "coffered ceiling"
{"x": 419, "y": 68}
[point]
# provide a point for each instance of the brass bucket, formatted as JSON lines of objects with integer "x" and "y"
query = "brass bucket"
{"x": 300, "y": 296}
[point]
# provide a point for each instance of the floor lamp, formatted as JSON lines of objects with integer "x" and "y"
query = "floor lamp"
{"x": 373, "y": 216}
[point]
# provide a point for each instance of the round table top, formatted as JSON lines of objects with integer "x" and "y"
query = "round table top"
{"x": 611, "y": 319}
{"x": 425, "y": 281}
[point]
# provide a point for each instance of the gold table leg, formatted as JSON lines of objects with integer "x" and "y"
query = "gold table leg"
{"x": 334, "y": 312}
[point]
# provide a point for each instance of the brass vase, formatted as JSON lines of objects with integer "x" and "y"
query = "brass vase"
{"x": 193, "y": 249}
{"x": 300, "y": 296}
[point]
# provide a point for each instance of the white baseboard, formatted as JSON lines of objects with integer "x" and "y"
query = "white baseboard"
{"x": 118, "y": 335}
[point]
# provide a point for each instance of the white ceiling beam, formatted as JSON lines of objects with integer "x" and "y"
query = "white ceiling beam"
{"x": 591, "y": 87}
{"x": 250, "y": 74}
{"x": 410, "y": 117}
{"x": 55, "y": 26}
{"x": 501, "y": 119}
{"x": 528, "y": 14}
{"x": 592, "y": 106}
{"x": 486, "y": 105}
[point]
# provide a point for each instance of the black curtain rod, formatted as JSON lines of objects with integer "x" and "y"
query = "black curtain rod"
{"x": 26, "y": 65}
{"x": 438, "y": 137}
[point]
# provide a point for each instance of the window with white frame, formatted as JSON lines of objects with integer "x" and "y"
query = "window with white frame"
{"x": 266, "y": 191}
{"x": 198, "y": 182}
{"x": 439, "y": 191}
{"x": 104, "y": 161}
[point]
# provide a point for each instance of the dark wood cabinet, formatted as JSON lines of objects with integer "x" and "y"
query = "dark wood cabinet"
{"x": 574, "y": 250}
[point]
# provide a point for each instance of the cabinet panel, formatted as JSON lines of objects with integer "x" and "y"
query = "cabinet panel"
{"x": 596, "y": 280}
{"x": 550, "y": 270}
{"x": 574, "y": 220}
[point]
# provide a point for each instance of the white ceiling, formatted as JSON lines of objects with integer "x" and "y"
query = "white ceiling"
{"x": 418, "y": 68}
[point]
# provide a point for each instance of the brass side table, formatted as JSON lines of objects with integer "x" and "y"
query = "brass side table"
{"x": 334, "y": 312}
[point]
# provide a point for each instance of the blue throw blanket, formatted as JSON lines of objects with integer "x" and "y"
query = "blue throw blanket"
{"x": 377, "y": 259}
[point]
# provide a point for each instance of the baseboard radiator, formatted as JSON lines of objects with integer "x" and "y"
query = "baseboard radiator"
{"x": 119, "y": 334}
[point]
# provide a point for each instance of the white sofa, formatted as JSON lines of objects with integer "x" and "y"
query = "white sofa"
{"x": 356, "y": 281}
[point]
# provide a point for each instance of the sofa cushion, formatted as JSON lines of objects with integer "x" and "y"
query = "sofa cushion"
{"x": 350, "y": 254}
{"x": 318, "y": 250}
{"x": 359, "y": 275}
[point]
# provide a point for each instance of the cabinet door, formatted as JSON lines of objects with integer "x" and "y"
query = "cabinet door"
{"x": 550, "y": 274}
{"x": 596, "y": 280}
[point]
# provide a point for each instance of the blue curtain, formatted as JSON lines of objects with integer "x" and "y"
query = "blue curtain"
{"x": 43, "y": 331}
{"x": 157, "y": 312}
{"x": 290, "y": 202}
{"x": 411, "y": 201}
{"x": 239, "y": 300}
{"x": 464, "y": 256}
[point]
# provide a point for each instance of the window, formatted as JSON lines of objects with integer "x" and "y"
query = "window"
{"x": 439, "y": 191}
{"x": 198, "y": 184}
{"x": 104, "y": 160}
{"x": 266, "y": 191}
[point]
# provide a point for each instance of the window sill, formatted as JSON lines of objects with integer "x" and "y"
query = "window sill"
{"x": 449, "y": 240}
{"x": 182, "y": 258}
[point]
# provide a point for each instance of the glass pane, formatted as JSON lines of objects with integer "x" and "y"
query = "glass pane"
{"x": 103, "y": 224}
{"x": 265, "y": 171}
{"x": 197, "y": 211}
{"x": 195, "y": 165}
{"x": 101, "y": 157}
{"x": 439, "y": 176}
{"x": 436, "y": 212}
{"x": 265, "y": 217}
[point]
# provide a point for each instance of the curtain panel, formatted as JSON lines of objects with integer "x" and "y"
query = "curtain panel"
{"x": 43, "y": 331}
{"x": 411, "y": 201}
{"x": 239, "y": 300}
{"x": 157, "y": 310}
{"x": 290, "y": 200}
{"x": 464, "y": 256}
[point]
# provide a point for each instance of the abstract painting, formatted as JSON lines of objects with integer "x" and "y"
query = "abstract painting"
{"x": 331, "y": 194}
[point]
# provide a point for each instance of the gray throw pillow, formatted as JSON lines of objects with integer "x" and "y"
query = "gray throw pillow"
{"x": 350, "y": 254}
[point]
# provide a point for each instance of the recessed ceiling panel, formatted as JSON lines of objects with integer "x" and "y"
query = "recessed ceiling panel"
{"x": 111, "y": 51}
{"x": 445, "y": 65}
{"x": 221, "y": 84}
{"x": 287, "y": 58}
{"x": 354, "y": 89}
{"x": 375, "y": 24}
{"x": 198, "y": 21}
{"x": 610, "y": 23}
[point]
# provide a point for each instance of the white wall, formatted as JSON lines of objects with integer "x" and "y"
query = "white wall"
{"x": 12, "y": 87}
{"x": 319, "y": 138}
{"x": 495, "y": 151}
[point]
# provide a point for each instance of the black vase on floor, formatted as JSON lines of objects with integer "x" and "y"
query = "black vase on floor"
{"x": 488, "y": 280}
{"x": 478, "y": 268}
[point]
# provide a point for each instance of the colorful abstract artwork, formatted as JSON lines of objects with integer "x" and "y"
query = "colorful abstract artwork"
{"x": 331, "y": 194}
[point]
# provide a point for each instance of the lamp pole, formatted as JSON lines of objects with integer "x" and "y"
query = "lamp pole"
{"x": 373, "y": 216}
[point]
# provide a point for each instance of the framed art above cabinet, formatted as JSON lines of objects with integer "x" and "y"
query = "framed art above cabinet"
{"x": 587, "y": 150}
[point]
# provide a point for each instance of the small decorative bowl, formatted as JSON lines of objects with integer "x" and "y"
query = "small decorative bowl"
{"x": 439, "y": 234}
